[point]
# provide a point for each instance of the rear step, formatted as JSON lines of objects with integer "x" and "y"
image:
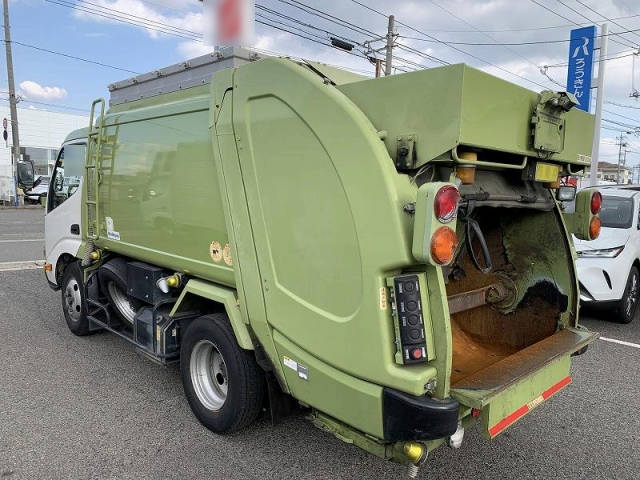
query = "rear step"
{"x": 510, "y": 388}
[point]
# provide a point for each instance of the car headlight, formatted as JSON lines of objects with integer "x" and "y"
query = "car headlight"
{"x": 603, "y": 253}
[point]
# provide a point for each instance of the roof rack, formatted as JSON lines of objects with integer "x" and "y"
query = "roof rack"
{"x": 187, "y": 74}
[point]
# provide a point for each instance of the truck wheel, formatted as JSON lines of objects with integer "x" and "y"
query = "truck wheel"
{"x": 113, "y": 282}
{"x": 222, "y": 382}
{"x": 628, "y": 305}
{"x": 73, "y": 304}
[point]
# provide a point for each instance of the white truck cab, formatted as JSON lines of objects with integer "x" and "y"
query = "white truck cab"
{"x": 63, "y": 228}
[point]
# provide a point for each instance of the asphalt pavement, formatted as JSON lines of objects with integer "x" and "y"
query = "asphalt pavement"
{"x": 79, "y": 408}
{"x": 21, "y": 234}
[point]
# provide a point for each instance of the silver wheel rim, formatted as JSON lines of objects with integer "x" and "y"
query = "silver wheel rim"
{"x": 121, "y": 302}
{"x": 209, "y": 375}
{"x": 73, "y": 300}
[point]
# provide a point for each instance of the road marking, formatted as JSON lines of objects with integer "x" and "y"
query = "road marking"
{"x": 23, "y": 240}
{"x": 620, "y": 342}
{"x": 24, "y": 265}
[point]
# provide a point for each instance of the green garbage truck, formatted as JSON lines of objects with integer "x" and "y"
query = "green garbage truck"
{"x": 391, "y": 254}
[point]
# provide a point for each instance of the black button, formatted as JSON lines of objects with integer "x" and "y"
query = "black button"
{"x": 411, "y": 305}
{"x": 409, "y": 287}
{"x": 413, "y": 320}
{"x": 414, "y": 333}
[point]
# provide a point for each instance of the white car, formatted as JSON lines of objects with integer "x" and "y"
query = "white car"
{"x": 609, "y": 266}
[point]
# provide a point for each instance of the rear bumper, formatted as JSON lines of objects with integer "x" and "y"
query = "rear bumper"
{"x": 509, "y": 389}
{"x": 406, "y": 417}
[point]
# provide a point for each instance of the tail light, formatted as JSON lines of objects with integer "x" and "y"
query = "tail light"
{"x": 446, "y": 202}
{"x": 596, "y": 203}
{"x": 434, "y": 230}
{"x": 443, "y": 245}
{"x": 594, "y": 226}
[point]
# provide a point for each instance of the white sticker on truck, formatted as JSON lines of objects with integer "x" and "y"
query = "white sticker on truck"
{"x": 301, "y": 370}
{"x": 292, "y": 364}
{"x": 111, "y": 233}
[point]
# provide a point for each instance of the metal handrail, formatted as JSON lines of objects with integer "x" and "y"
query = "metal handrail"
{"x": 480, "y": 163}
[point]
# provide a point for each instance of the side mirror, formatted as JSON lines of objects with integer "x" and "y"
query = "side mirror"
{"x": 25, "y": 175}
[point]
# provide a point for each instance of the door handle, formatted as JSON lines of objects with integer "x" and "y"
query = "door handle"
{"x": 75, "y": 229}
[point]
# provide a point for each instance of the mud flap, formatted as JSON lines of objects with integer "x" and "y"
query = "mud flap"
{"x": 509, "y": 389}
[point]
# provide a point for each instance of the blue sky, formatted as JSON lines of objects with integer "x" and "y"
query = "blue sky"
{"x": 57, "y": 80}
{"x": 54, "y": 27}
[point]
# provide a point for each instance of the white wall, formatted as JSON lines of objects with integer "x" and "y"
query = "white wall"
{"x": 38, "y": 128}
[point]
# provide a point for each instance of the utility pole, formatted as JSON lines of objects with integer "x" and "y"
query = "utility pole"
{"x": 625, "y": 145}
{"x": 604, "y": 41}
{"x": 390, "y": 40}
{"x": 15, "y": 148}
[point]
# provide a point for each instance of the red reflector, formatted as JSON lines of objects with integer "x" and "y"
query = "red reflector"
{"x": 523, "y": 410}
{"x": 445, "y": 204}
{"x": 596, "y": 203}
{"x": 475, "y": 413}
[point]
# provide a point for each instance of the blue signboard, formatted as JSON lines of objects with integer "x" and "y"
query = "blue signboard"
{"x": 581, "y": 65}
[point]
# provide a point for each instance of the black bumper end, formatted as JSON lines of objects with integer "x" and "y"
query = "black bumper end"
{"x": 417, "y": 418}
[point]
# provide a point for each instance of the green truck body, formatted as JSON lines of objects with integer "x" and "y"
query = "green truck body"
{"x": 288, "y": 194}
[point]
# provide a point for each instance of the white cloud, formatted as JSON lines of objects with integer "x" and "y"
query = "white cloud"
{"x": 191, "y": 49}
{"x": 152, "y": 19}
{"x": 35, "y": 91}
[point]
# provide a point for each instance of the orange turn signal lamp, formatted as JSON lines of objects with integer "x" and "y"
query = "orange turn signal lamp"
{"x": 48, "y": 267}
{"x": 594, "y": 228}
{"x": 443, "y": 245}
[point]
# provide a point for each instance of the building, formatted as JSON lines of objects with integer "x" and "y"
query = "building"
{"x": 41, "y": 134}
{"x": 608, "y": 173}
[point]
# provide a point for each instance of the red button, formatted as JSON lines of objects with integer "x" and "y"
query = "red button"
{"x": 416, "y": 353}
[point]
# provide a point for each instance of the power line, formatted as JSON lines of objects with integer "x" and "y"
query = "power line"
{"x": 530, "y": 29}
{"x": 305, "y": 24}
{"x": 453, "y": 47}
{"x": 615, "y": 57}
{"x": 620, "y": 115}
{"x": 137, "y": 17}
{"x": 354, "y": 28}
{"x": 622, "y": 105}
{"x": 65, "y": 107}
{"x": 86, "y": 60}
{"x": 327, "y": 16}
{"x": 604, "y": 16}
{"x": 358, "y": 29}
{"x": 492, "y": 38}
{"x": 172, "y": 30}
{"x": 513, "y": 44}
{"x": 573, "y": 22}
{"x": 621, "y": 124}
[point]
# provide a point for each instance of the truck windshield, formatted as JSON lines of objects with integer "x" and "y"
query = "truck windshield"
{"x": 617, "y": 212}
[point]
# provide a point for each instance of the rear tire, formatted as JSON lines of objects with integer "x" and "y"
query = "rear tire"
{"x": 222, "y": 382}
{"x": 627, "y": 308}
{"x": 73, "y": 302}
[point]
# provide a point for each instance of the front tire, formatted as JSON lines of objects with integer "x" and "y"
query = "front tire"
{"x": 628, "y": 306}
{"x": 73, "y": 301}
{"x": 222, "y": 382}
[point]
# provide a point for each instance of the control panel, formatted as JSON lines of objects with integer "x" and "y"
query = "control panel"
{"x": 413, "y": 333}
